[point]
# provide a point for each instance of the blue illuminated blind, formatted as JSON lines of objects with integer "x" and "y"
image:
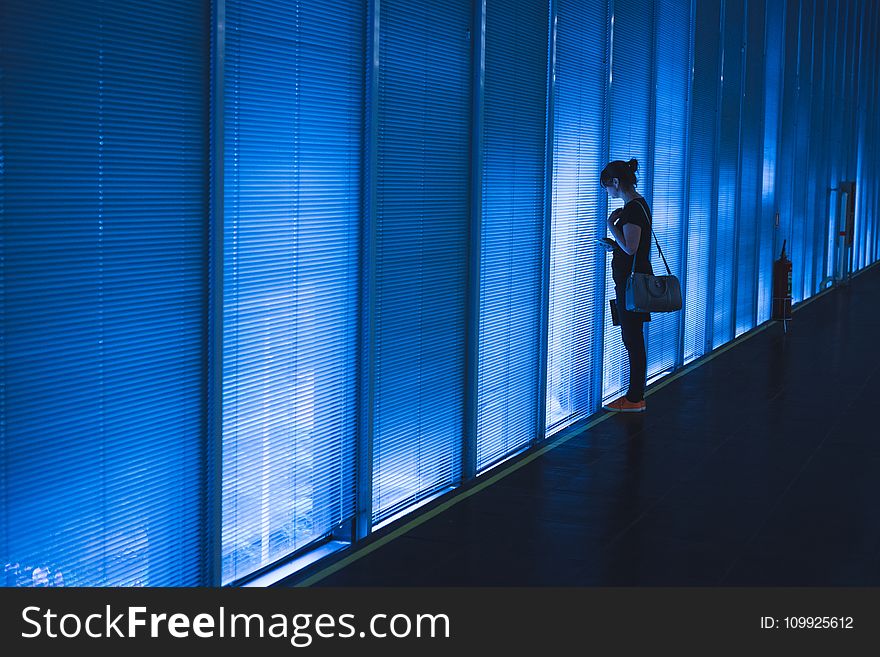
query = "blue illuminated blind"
{"x": 630, "y": 89}
{"x": 725, "y": 234}
{"x": 773, "y": 70}
{"x": 421, "y": 249}
{"x": 870, "y": 139}
{"x": 750, "y": 166}
{"x": 787, "y": 163}
{"x": 706, "y": 78}
{"x": 800, "y": 243}
{"x": 818, "y": 181}
{"x": 512, "y": 226}
{"x": 672, "y": 63}
{"x": 858, "y": 155}
{"x": 863, "y": 175}
{"x": 104, "y": 282}
{"x": 850, "y": 76}
{"x": 833, "y": 65}
{"x": 576, "y": 265}
{"x": 871, "y": 64}
{"x": 869, "y": 239}
{"x": 874, "y": 112}
{"x": 834, "y": 130}
{"x": 854, "y": 26}
{"x": 293, "y": 129}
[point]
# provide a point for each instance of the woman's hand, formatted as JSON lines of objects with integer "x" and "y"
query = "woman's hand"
{"x": 613, "y": 216}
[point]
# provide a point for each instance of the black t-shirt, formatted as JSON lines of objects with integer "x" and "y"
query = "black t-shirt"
{"x": 635, "y": 212}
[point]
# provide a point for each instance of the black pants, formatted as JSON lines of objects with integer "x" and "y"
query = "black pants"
{"x": 632, "y": 327}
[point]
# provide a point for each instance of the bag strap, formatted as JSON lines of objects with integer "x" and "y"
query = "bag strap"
{"x": 650, "y": 225}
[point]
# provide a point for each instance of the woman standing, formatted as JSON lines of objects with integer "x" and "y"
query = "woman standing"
{"x": 630, "y": 227}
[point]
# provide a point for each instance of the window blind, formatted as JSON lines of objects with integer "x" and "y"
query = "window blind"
{"x": 293, "y": 108}
{"x": 788, "y": 136}
{"x": 104, "y": 293}
{"x": 848, "y": 28}
{"x": 576, "y": 301}
{"x": 863, "y": 180}
{"x": 818, "y": 191}
{"x": 725, "y": 233}
{"x": 672, "y": 66}
{"x": 750, "y": 167}
{"x": 873, "y": 64}
{"x": 631, "y": 90}
{"x": 875, "y": 135}
{"x": 773, "y": 70}
{"x": 706, "y": 78}
{"x": 801, "y": 243}
{"x": 850, "y": 86}
{"x": 512, "y": 241}
{"x": 421, "y": 249}
{"x": 871, "y": 138}
{"x": 834, "y": 127}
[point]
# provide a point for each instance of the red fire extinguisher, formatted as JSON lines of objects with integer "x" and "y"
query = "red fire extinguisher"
{"x": 781, "y": 287}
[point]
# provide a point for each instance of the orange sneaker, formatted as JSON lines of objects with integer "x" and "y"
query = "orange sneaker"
{"x": 624, "y": 405}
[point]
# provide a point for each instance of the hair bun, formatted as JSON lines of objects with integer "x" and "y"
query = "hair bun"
{"x": 633, "y": 164}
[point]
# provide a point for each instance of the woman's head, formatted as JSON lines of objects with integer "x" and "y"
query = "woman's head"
{"x": 619, "y": 177}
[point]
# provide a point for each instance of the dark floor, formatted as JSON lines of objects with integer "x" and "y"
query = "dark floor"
{"x": 760, "y": 467}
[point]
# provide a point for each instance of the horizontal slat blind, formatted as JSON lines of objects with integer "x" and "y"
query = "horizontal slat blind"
{"x": 512, "y": 225}
{"x": 863, "y": 181}
{"x": 833, "y": 126}
{"x": 104, "y": 280}
{"x": 672, "y": 64}
{"x": 750, "y": 171}
{"x": 576, "y": 300}
{"x": 817, "y": 191}
{"x": 787, "y": 162}
{"x": 707, "y": 38}
{"x": 831, "y": 151}
{"x": 871, "y": 155}
{"x": 421, "y": 249}
{"x": 630, "y": 89}
{"x": 873, "y": 64}
{"x": 875, "y": 146}
{"x": 294, "y": 86}
{"x": 800, "y": 244}
{"x": 773, "y": 71}
{"x": 725, "y": 264}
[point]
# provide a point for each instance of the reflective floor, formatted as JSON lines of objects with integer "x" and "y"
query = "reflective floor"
{"x": 760, "y": 467}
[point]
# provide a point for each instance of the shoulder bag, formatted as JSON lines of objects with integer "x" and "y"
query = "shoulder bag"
{"x": 646, "y": 293}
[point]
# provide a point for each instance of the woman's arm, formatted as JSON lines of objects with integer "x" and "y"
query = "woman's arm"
{"x": 628, "y": 237}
